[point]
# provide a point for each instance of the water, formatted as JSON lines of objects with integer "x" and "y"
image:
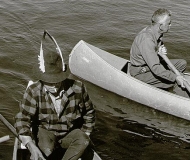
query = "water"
{"x": 124, "y": 129}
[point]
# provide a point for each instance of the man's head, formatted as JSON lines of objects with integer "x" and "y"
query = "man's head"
{"x": 162, "y": 19}
{"x": 51, "y": 67}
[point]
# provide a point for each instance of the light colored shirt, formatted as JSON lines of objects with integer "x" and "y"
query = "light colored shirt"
{"x": 144, "y": 53}
{"x": 56, "y": 100}
{"x": 57, "y": 103}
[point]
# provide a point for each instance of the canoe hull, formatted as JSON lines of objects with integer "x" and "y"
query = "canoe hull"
{"x": 104, "y": 69}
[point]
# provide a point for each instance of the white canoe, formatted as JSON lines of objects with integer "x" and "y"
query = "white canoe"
{"x": 106, "y": 70}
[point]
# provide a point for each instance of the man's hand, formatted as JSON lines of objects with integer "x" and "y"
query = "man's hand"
{"x": 162, "y": 49}
{"x": 35, "y": 152}
{"x": 180, "y": 81}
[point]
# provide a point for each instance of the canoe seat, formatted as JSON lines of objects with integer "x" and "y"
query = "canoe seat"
{"x": 126, "y": 67}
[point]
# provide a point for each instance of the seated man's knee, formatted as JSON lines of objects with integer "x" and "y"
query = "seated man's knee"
{"x": 46, "y": 141}
{"x": 84, "y": 138}
{"x": 45, "y": 148}
{"x": 47, "y": 151}
{"x": 181, "y": 65}
{"x": 81, "y": 137}
{"x": 184, "y": 62}
{"x": 75, "y": 137}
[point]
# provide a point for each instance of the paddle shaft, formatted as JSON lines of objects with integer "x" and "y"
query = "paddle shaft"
{"x": 186, "y": 84}
{"x": 10, "y": 127}
{"x": 5, "y": 138}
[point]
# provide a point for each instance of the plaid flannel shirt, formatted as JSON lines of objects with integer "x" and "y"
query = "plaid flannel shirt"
{"x": 76, "y": 107}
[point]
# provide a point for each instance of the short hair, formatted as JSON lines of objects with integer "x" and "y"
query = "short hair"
{"x": 159, "y": 15}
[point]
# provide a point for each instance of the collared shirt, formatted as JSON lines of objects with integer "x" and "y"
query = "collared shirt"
{"x": 56, "y": 100}
{"x": 144, "y": 53}
{"x": 75, "y": 104}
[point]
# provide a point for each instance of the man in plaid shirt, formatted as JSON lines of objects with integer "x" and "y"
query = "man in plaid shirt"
{"x": 60, "y": 106}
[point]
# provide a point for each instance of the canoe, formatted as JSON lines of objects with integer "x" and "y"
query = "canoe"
{"x": 111, "y": 73}
{"x": 20, "y": 152}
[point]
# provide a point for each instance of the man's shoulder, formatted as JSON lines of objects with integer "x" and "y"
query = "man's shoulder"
{"x": 34, "y": 86}
{"x": 76, "y": 85}
{"x": 145, "y": 33}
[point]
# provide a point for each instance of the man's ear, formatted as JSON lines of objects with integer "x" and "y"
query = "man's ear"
{"x": 160, "y": 27}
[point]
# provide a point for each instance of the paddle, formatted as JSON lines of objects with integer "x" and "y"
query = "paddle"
{"x": 5, "y": 138}
{"x": 10, "y": 127}
{"x": 185, "y": 82}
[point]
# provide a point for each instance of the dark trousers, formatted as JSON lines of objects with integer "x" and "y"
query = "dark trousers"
{"x": 75, "y": 143}
{"x": 151, "y": 79}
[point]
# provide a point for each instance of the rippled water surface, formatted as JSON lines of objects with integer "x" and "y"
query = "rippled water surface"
{"x": 124, "y": 129}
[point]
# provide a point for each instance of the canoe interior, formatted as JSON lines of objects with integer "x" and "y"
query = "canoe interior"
{"x": 115, "y": 61}
{"x": 22, "y": 153}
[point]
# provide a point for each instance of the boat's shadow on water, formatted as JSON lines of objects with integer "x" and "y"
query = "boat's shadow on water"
{"x": 128, "y": 130}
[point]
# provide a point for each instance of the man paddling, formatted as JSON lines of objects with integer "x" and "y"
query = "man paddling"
{"x": 60, "y": 106}
{"x": 147, "y": 65}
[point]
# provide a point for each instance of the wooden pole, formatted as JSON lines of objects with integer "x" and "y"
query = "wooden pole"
{"x": 5, "y": 138}
{"x": 185, "y": 82}
{"x": 10, "y": 127}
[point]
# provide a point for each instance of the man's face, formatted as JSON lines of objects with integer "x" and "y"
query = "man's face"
{"x": 165, "y": 26}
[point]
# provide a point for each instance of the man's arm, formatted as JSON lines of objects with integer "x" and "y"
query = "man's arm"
{"x": 151, "y": 58}
{"x": 23, "y": 123}
{"x": 89, "y": 117}
{"x": 24, "y": 118}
